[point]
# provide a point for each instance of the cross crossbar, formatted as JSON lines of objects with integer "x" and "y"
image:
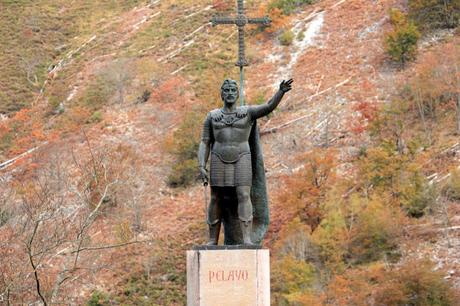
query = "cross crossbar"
{"x": 240, "y": 20}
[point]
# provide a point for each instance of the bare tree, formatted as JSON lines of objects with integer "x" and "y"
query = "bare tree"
{"x": 29, "y": 66}
{"x": 119, "y": 74}
{"x": 58, "y": 207}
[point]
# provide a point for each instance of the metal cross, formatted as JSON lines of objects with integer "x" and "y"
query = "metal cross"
{"x": 240, "y": 21}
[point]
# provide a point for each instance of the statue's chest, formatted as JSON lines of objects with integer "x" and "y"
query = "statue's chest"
{"x": 229, "y": 121}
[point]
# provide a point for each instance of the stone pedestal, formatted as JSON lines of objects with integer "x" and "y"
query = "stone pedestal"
{"x": 227, "y": 276}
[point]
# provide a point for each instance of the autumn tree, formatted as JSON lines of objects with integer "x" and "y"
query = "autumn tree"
{"x": 383, "y": 170}
{"x": 413, "y": 282}
{"x": 401, "y": 42}
{"x": 434, "y": 87}
{"x": 293, "y": 279}
{"x": 307, "y": 188}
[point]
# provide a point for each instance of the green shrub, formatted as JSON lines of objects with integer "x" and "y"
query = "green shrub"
{"x": 401, "y": 43}
{"x": 98, "y": 93}
{"x": 4, "y": 216}
{"x": 183, "y": 173}
{"x": 452, "y": 188}
{"x": 98, "y": 299}
{"x": 300, "y": 36}
{"x": 161, "y": 280}
{"x": 416, "y": 195}
{"x": 95, "y": 117}
{"x": 291, "y": 279}
{"x": 357, "y": 231}
{"x": 184, "y": 146}
{"x": 53, "y": 102}
{"x": 374, "y": 234}
{"x": 386, "y": 170}
{"x": 286, "y": 38}
{"x": 288, "y": 6}
{"x": 6, "y": 141}
{"x": 330, "y": 237}
{"x": 432, "y": 14}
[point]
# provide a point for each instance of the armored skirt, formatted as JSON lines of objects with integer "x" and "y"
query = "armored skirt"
{"x": 224, "y": 174}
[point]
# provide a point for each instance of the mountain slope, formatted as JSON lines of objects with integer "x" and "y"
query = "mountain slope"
{"x": 95, "y": 122}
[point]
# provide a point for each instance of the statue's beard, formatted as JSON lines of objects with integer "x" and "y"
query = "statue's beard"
{"x": 230, "y": 100}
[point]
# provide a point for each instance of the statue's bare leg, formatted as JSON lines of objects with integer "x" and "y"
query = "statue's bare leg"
{"x": 214, "y": 217}
{"x": 245, "y": 212}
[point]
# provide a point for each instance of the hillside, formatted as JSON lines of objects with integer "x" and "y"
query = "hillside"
{"x": 102, "y": 104}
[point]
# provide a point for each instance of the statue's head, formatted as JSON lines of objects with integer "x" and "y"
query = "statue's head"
{"x": 229, "y": 91}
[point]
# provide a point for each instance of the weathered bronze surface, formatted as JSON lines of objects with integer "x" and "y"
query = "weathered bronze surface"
{"x": 237, "y": 175}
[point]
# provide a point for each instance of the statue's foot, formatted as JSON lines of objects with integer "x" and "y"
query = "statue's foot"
{"x": 214, "y": 230}
{"x": 246, "y": 229}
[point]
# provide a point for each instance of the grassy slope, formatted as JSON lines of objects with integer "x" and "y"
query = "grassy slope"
{"x": 35, "y": 33}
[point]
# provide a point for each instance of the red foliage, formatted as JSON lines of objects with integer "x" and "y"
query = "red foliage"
{"x": 23, "y": 115}
{"x": 366, "y": 112}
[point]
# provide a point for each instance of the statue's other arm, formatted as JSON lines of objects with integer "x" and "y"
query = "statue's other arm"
{"x": 263, "y": 110}
{"x": 204, "y": 148}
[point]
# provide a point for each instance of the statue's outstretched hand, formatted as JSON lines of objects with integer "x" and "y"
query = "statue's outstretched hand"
{"x": 204, "y": 175}
{"x": 285, "y": 86}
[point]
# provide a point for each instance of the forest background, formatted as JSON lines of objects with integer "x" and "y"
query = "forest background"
{"x": 101, "y": 104}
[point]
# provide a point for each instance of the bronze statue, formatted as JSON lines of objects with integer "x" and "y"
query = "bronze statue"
{"x": 230, "y": 135}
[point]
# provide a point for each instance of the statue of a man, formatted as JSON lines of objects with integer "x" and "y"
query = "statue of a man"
{"x": 226, "y": 137}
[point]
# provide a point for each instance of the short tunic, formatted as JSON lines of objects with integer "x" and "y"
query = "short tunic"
{"x": 224, "y": 174}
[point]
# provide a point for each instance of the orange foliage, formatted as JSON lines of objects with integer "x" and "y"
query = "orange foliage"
{"x": 436, "y": 79}
{"x": 170, "y": 90}
{"x": 23, "y": 115}
{"x": 306, "y": 188}
{"x": 25, "y": 130}
{"x": 4, "y": 129}
{"x": 279, "y": 20}
{"x": 75, "y": 118}
{"x": 413, "y": 283}
{"x": 353, "y": 287}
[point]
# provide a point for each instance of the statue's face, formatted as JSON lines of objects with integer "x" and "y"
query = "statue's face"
{"x": 229, "y": 94}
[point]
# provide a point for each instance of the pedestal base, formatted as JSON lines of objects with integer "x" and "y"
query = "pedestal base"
{"x": 227, "y": 276}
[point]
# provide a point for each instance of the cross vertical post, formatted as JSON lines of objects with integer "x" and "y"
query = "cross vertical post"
{"x": 240, "y": 21}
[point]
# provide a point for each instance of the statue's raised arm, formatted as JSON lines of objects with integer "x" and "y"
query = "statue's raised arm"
{"x": 263, "y": 110}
